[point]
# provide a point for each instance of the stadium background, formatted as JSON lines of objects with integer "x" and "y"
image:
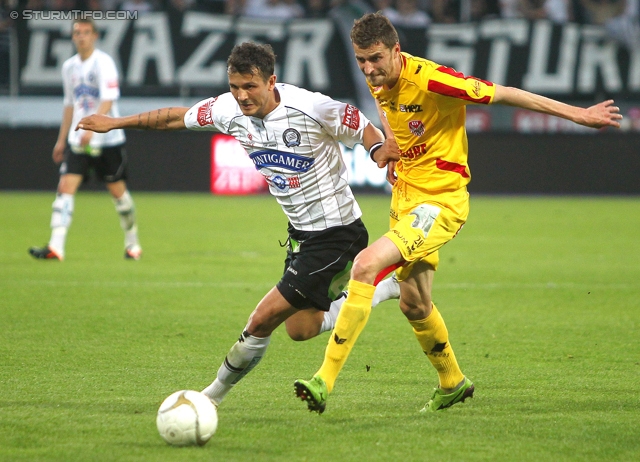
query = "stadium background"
{"x": 178, "y": 57}
{"x": 540, "y": 293}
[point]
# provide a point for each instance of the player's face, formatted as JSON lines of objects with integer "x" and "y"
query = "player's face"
{"x": 84, "y": 37}
{"x": 255, "y": 96}
{"x": 379, "y": 64}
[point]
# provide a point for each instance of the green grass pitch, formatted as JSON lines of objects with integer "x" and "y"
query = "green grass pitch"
{"x": 541, "y": 297}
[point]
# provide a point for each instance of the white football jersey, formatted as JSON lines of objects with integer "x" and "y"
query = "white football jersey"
{"x": 296, "y": 148}
{"x": 85, "y": 84}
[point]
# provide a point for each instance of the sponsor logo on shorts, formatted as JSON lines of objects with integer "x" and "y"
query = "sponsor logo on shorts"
{"x": 416, "y": 127}
{"x": 291, "y": 137}
{"x": 416, "y": 243}
{"x": 351, "y": 117}
{"x": 409, "y": 246}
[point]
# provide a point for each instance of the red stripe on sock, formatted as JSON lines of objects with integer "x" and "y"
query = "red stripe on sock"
{"x": 382, "y": 274}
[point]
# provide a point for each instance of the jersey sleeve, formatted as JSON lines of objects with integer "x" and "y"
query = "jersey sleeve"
{"x": 200, "y": 117}
{"x": 343, "y": 121}
{"x": 445, "y": 81}
{"x": 109, "y": 86}
{"x": 67, "y": 85}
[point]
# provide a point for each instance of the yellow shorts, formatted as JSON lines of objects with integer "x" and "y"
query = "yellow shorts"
{"x": 421, "y": 223}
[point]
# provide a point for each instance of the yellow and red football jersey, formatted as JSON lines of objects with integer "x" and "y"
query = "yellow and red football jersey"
{"x": 426, "y": 111}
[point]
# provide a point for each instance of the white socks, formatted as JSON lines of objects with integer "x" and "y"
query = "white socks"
{"x": 247, "y": 352}
{"x": 329, "y": 320}
{"x": 127, "y": 211}
{"x": 61, "y": 217}
{"x": 385, "y": 290}
{"x": 243, "y": 356}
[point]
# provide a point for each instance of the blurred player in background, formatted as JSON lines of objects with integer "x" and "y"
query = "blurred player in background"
{"x": 90, "y": 84}
{"x": 422, "y": 109}
{"x": 292, "y": 137}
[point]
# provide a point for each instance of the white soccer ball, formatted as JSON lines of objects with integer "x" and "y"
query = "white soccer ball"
{"x": 187, "y": 418}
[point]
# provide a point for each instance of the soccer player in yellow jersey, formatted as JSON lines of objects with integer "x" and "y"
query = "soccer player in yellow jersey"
{"x": 422, "y": 109}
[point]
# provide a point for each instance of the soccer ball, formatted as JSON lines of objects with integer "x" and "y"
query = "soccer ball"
{"x": 187, "y": 418}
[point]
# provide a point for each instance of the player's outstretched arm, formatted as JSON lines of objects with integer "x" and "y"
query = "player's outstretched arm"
{"x": 604, "y": 114}
{"x": 169, "y": 118}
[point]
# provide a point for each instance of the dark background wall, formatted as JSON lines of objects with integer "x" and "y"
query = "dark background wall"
{"x": 500, "y": 163}
{"x": 557, "y": 164}
{"x": 158, "y": 161}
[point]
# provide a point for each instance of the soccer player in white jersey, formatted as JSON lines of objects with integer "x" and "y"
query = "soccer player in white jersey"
{"x": 292, "y": 137}
{"x": 90, "y": 83}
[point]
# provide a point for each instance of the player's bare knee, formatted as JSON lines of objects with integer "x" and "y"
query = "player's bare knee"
{"x": 363, "y": 269}
{"x": 300, "y": 335}
{"x": 259, "y": 326}
{"x": 416, "y": 310}
{"x": 65, "y": 187}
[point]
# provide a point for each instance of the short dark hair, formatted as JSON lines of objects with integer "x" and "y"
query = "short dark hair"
{"x": 85, "y": 21}
{"x": 374, "y": 28}
{"x": 251, "y": 58}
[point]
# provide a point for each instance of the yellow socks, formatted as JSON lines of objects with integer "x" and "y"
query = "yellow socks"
{"x": 433, "y": 337}
{"x": 431, "y": 333}
{"x": 351, "y": 320}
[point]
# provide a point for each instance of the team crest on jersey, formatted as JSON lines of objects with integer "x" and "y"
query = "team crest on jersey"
{"x": 204, "y": 113}
{"x": 291, "y": 137}
{"x": 284, "y": 183}
{"x": 416, "y": 127}
{"x": 351, "y": 117}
